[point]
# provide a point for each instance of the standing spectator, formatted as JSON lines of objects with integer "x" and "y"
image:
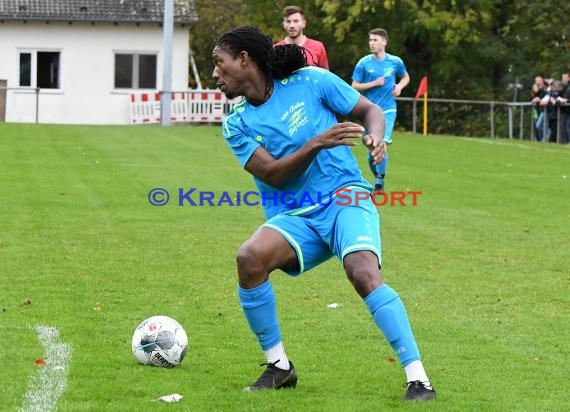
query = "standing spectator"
{"x": 294, "y": 23}
{"x": 565, "y": 99}
{"x": 555, "y": 110}
{"x": 544, "y": 122}
{"x": 537, "y": 93}
{"x": 381, "y": 77}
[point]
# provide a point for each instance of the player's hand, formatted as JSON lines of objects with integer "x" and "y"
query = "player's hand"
{"x": 376, "y": 147}
{"x": 341, "y": 134}
{"x": 397, "y": 91}
{"x": 380, "y": 81}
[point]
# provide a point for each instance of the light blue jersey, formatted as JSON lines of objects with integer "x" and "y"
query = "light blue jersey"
{"x": 301, "y": 106}
{"x": 369, "y": 68}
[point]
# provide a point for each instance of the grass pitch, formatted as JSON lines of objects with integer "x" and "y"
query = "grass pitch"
{"x": 482, "y": 264}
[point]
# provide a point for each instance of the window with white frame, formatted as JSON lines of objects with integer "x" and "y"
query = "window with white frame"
{"x": 39, "y": 69}
{"x": 135, "y": 71}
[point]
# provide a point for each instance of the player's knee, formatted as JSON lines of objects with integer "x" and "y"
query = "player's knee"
{"x": 363, "y": 273}
{"x": 249, "y": 261}
{"x": 245, "y": 256}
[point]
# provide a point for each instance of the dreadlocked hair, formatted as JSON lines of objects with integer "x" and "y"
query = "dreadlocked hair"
{"x": 275, "y": 62}
{"x": 286, "y": 59}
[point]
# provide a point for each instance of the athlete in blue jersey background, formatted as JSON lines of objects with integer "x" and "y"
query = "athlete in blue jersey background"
{"x": 284, "y": 132}
{"x": 381, "y": 77}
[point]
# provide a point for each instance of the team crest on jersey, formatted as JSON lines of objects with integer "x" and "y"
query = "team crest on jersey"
{"x": 295, "y": 117}
{"x": 388, "y": 72}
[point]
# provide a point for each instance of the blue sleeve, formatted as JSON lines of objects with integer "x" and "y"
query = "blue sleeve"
{"x": 358, "y": 74}
{"x": 335, "y": 93}
{"x": 242, "y": 144}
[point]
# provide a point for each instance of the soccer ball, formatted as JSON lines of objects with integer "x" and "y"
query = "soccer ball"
{"x": 160, "y": 341}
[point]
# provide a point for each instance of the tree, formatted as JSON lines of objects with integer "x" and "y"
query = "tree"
{"x": 214, "y": 18}
{"x": 472, "y": 49}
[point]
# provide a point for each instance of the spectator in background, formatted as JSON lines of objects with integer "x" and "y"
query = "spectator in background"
{"x": 537, "y": 93}
{"x": 555, "y": 110}
{"x": 543, "y": 123}
{"x": 294, "y": 23}
{"x": 565, "y": 99}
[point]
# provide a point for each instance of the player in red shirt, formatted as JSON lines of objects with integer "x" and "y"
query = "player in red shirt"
{"x": 294, "y": 22}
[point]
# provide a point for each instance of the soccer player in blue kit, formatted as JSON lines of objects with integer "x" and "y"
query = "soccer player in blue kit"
{"x": 380, "y": 77}
{"x": 284, "y": 132}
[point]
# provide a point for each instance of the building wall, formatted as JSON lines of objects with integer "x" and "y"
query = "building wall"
{"x": 87, "y": 94}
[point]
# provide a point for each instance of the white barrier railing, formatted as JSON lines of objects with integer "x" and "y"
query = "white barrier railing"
{"x": 194, "y": 106}
{"x": 145, "y": 107}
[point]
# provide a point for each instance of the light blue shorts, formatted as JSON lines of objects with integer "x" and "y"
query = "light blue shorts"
{"x": 390, "y": 118}
{"x": 337, "y": 229}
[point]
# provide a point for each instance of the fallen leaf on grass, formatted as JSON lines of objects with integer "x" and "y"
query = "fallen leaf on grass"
{"x": 40, "y": 362}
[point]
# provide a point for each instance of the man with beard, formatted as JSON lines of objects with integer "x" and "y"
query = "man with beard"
{"x": 294, "y": 22}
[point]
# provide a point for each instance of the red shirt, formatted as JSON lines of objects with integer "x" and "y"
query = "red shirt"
{"x": 316, "y": 53}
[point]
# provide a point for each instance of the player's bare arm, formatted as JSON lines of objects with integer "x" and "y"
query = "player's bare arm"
{"x": 361, "y": 87}
{"x": 373, "y": 119}
{"x": 279, "y": 172}
{"x": 404, "y": 81}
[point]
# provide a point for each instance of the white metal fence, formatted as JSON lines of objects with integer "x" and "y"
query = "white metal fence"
{"x": 513, "y": 120}
{"x": 193, "y": 106}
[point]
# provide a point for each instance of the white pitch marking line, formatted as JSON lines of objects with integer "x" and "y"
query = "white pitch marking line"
{"x": 48, "y": 382}
{"x": 530, "y": 145}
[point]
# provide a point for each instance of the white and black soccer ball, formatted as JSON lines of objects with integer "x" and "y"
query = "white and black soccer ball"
{"x": 160, "y": 341}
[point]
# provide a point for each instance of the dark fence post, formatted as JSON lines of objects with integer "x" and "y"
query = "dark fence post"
{"x": 558, "y": 130}
{"x": 545, "y": 137}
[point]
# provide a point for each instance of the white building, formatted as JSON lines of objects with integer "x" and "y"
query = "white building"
{"x": 77, "y": 62}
